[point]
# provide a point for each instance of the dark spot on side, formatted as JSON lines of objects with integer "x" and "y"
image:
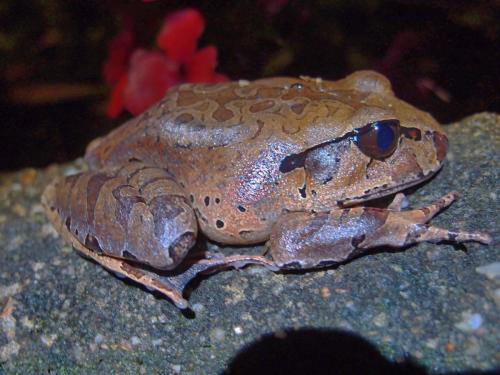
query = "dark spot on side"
{"x": 207, "y": 201}
{"x": 76, "y": 232}
{"x": 314, "y": 193}
{"x": 52, "y": 208}
{"x": 241, "y": 208}
{"x": 68, "y": 223}
{"x": 217, "y": 200}
{"x": 367, "y": 191}
{"x": 302, "y": 191}
{"x": 129, "y": 255}
{"x": 191, "y": 198}
{"x": 134, "y": 160}
{"x": 92, "y": 243}
{"x": 219, "y": 224}
{"x": 326, "y": 180}
{"x": 291, "y": 162}
{"x": 357, "y": 240}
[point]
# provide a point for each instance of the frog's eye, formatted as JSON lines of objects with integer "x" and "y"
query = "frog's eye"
{"x": 378, "y": 139}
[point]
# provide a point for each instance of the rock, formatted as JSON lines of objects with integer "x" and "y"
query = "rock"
{"x": 396, "y": 304}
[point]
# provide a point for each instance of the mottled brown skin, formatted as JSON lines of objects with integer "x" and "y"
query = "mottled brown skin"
{"x": 281, "y": 159}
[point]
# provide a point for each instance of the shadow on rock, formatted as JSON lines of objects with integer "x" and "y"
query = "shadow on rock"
{"x": 312, "y": 351}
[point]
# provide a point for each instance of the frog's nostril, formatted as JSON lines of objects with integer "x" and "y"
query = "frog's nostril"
{"x": 441, "y": 143}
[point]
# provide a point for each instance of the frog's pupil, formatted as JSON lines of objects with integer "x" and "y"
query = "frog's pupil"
{"x": 385, "y": 135}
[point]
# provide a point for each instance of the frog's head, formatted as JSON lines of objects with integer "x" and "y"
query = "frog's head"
{"x": 388, "y": 145}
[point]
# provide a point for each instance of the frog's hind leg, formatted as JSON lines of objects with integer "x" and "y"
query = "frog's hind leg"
{"x": 135, "y": 212}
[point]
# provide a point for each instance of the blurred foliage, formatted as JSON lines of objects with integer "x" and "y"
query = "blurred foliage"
{"x": 440, "y": 55}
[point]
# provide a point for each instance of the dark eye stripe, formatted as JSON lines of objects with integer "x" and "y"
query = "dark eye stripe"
{"x": 378, "y": 140}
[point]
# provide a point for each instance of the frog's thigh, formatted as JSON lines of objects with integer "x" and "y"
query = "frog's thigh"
{"x": 307, "y": 240}
{"x": 135, "y": 212}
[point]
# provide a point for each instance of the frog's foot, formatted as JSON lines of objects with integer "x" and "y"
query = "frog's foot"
{"x": 431, "y": 233}
{"x": 172, "y": 284}
{"x": 311, "y": 240}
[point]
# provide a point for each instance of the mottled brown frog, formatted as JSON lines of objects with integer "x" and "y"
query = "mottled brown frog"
{"x": 290, "y": 161}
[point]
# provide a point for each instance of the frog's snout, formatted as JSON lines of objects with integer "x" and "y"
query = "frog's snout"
{"x": 441, "y": 144}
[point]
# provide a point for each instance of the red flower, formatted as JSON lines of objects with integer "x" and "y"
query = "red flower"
{"x": 150, "y": 75}
{"x": 142, "y": 79}
{"x": 115, "y": 105}
{"x": 120, "y": 48}
{"x": 179, "y": 34}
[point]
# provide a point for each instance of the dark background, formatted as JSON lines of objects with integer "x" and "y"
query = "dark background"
{"x": 442, "y": 56}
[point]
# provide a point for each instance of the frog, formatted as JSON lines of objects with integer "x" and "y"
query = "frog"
{"x": 290, "y": 162}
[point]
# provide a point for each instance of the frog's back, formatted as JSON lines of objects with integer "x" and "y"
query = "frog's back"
{"x": 301, "y": 112}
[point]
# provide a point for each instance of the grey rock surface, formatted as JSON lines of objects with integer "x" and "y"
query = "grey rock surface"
{"x": 429, "y": 308}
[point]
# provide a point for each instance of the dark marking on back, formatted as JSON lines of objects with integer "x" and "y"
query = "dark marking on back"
{"x": 223, "y": 114}
{"x": 261, "y": 106}
{"x": 184, "y": 118}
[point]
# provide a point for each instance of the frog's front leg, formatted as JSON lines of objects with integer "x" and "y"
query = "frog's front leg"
{"x": 309, "y": 240}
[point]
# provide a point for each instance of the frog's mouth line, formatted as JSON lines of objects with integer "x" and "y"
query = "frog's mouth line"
{"x": 388, "y": 191}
